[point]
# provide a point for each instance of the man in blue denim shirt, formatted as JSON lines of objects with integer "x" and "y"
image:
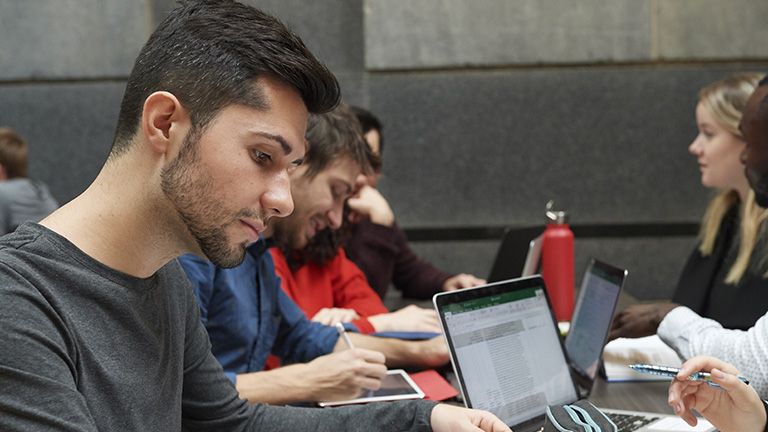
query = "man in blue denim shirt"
{"x": 248, "y": 316}
{"x": 232, "y": 305}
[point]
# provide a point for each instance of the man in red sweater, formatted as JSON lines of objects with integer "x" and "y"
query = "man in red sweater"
{"x": 314, "y": 269}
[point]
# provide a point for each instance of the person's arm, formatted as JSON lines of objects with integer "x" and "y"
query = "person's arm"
{"x": 299, "y": 340}
{"x": 408, "y": 319}
{"x": 374, "y": 250}
{"x": 691, "y": 335}
{"x": 351, "y": 289}
{"x": 37, "y": 365}
{"x": 414, "y": 276}
{"x": 210, "y": 402}
{"x": 639, "y": 320}
{"x": 338, "y": 376}
{"x": 399, "y": 353}
{"x": 733, "y": 407}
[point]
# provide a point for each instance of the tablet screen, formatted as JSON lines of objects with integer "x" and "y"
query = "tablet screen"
{"x": 396, "y": 385}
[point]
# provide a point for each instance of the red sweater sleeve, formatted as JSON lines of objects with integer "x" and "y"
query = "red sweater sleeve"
{"x": 338, "y": 283}
{"x": 351, "y": 289}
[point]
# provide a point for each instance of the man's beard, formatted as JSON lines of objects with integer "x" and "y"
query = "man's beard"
{"x": 284, "y": 233}
{"x": 759, "y": 183}
{"x": 205, "y": 217}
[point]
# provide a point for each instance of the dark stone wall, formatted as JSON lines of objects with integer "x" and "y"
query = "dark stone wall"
{"x": 490, "y": 108}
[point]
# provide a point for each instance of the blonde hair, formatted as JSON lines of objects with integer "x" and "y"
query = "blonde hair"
{"x": 725, "y": 100}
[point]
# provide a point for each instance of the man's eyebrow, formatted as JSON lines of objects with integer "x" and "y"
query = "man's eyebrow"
{"x": 277, "y": 138}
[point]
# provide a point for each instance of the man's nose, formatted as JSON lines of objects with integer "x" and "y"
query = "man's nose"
{"x": 336, "y": 215}
{"x": 277, "y": 199}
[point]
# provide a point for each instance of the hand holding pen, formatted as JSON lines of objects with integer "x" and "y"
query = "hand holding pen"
{"x": 732, "y": 406}
{"x": 343, "y": 334}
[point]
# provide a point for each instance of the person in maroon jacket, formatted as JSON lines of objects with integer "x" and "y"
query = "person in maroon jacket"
{"x": 379, "y": 247}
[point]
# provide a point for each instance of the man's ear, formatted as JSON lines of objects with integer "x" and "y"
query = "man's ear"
{"x": 164, "y": 122}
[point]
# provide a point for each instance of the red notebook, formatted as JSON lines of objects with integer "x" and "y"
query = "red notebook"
{"x": 434, "y": 386}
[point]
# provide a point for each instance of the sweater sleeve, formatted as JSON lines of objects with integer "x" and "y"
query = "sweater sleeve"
{"x": 374, "y": 248}
{"x": 412, "y": 275}
{"x": 300, "y": 340}
{"x": 691, "y": 335}
{"x": 37, "y": 370}
{"x": 351, "y": 289}
{"x": 211, "y": 403}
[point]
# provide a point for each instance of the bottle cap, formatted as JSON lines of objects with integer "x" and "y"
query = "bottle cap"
{"x": 556, "y": 216}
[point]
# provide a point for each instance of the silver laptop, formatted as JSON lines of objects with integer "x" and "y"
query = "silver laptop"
{"x": 508, "y": 356}
{"x": 598, "y": 295}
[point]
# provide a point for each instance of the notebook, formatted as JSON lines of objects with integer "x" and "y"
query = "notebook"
{"x": 508, "y": 357}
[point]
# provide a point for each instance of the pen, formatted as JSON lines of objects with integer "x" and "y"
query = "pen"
{"x": 343, "y": 333}
{"x": 672, "y": 372}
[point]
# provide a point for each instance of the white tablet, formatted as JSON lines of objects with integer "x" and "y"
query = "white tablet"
{"x": 396, "y": 385}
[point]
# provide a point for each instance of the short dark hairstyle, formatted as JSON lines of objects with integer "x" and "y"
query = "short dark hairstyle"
{"x": 209, "y": 53}
{"x": 13, "y": 153}
{"x": 368, "y": 121}
{"x": 333, "y": 135}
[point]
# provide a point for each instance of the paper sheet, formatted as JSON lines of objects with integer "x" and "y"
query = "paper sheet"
{"x": 674, "y": 424}
{"x": 651, "y": 350}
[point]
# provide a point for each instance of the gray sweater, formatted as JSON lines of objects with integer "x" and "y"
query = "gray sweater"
{"x": 86, "y": 348}
{"x": 22, "y": 200}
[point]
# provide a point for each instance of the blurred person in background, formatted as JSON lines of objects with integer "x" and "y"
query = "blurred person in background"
{"x": 21, "y": 199}
{"x": 725, "y": 276}
{"x": 377, "y": 244}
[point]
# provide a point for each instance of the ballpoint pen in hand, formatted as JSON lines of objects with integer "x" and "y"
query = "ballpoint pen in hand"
{"x": 672, "y": 372}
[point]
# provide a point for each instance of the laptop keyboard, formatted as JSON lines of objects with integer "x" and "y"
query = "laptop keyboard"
{"x": 629, "y": 422}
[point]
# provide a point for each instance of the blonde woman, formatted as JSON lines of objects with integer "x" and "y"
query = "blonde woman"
{"x": 724, "y": 278}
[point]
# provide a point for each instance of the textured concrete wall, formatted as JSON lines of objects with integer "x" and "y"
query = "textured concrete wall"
{"x": 491, "y": 107}
{"x": 71, "y": 38}
{"x": 439, "y": 33}
{"x": 493, "y": 147}
{"x": 711, "y": 29}
{"x": 453, "y": 33}
{"x": 69, "y": 128}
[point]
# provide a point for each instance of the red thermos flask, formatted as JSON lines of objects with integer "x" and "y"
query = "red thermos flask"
{"x": 557, "y": 263}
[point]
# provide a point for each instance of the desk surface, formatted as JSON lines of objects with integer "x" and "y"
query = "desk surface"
{"x": 634, "y": 396}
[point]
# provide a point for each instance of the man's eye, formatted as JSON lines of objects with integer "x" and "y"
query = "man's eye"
{"x": 260, "y": 156}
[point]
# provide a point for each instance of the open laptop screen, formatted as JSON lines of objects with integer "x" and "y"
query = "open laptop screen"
{"x": 598, "y": 295}
{"x": 506, "y": 350}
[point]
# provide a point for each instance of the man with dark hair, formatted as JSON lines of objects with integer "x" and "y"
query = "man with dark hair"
{"x": 21, "y": 198}
{"x": 314, "y": 270}
{"x": 377, "y": 244}
{"x": 234, "y": 301}
{"x": 692, "y": 335}
{"x": 100, "y": 328}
